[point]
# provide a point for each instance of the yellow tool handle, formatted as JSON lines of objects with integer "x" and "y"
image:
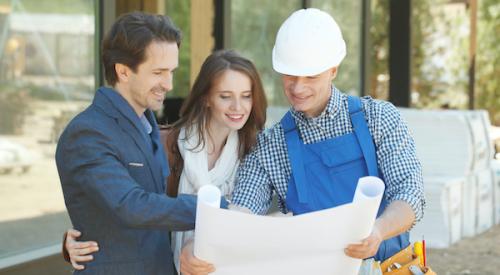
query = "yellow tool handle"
{"x": 418, "y": 248}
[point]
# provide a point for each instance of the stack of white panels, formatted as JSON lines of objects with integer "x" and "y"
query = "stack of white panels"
{"x": 485, "y": 203}
{"x": 489, "y": 135}
{"x": 458, "y": 144}
{"x": 444, "y": 142}
{"x": 496, "y": 189}
{"x": 483, "y": 147}
{"x": 442, "y": 222}
{"x": 479, "y": 124}
{"x": 469, "y": 206}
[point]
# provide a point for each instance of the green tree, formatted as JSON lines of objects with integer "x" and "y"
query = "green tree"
{"x": 348, "y": 16}
{"x": 254, "y": 38}
{"x": 422, "y": 28}
{"x": 179, "y": 11}
{"x": 487, "y": 85}
{"x": 429, "y": 18}
{"x": 379, "y": 37}
{"x": 254, "y": 25}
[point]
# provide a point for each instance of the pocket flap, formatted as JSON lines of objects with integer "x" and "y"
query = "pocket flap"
{"x": 339, "y": 155}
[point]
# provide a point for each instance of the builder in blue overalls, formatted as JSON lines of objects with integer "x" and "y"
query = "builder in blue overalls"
{"x": 314, "y": 157}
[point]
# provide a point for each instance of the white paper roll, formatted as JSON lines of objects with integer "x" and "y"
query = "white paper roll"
{"x": 210, "y": 195}
{"x": 369, "y": 188}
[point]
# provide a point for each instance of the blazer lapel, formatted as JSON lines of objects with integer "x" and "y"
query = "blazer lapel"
{"x": 115, "y": 105}
{"x": 144, "y": 147}
{"x": 159, "y": 152}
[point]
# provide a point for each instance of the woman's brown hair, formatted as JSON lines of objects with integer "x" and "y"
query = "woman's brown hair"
{"x": 195, "y": 114}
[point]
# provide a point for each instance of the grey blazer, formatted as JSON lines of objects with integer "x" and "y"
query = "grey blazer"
{"x": 113, "y": 179}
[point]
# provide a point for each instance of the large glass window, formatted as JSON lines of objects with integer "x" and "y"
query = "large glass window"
{"x": 440, "y": 54}
{"x": 253, "y": 31}
{"x": 254, "y": 25}
{"x": 179, "y": 11}
{"x": 46, "y": 77}
{"x": 253, "y": 28}
{"x": 348, "y": 16}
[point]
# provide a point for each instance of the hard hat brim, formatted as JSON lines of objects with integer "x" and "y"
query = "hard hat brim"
{"x": 307, "y": 69}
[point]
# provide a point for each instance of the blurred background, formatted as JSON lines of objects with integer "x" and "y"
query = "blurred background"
{"x": 438, "y": 60}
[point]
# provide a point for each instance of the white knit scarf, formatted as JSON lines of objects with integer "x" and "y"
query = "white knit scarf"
{"x": 195, "y": 174}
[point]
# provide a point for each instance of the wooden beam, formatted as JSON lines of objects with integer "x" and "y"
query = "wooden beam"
{"x": 202, "y": 40}
{"x": 125, "y": 6}
{"x": 150, "y": 6}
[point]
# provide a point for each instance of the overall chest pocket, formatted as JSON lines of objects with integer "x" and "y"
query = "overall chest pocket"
{"x": 340, "y": 156}
{"x": 333, "y": 172}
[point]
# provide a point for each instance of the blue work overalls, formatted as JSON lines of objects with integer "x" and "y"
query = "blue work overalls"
{"x": 325, "y": 174}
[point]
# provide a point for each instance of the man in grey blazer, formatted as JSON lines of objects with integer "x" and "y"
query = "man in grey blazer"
{"x": 111, "y": 163}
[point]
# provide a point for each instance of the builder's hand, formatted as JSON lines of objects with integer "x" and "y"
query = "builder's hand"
{"x": 190, "y": 265}
{"x": 77, "y": 251}
{"x": 368, "y": 247}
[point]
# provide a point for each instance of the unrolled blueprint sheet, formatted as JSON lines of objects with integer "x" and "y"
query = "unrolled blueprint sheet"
{"x": 313, "y": 243}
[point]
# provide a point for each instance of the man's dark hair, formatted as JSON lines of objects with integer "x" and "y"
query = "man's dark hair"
{"x": 128, "y": 38}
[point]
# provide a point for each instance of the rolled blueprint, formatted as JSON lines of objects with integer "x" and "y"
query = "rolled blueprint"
{"x": 369, "y": 191}
{"x": 209, "y": 197}
{"x": 312, "y": 243}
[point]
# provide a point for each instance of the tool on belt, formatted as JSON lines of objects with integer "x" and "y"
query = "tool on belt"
{"x": 409, "y": 261}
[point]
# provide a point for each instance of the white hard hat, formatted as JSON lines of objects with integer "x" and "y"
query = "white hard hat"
{"x": 308, "y": 43}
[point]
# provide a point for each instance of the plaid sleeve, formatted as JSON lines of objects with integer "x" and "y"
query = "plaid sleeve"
{"x": 253, "y": 187}
{"x": 397, "y": 159}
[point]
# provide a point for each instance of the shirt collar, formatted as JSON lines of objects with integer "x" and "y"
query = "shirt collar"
{"x": 126, "y": 109}
{"x": 147, "y": 125}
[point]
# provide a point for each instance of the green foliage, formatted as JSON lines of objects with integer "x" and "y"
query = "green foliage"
{"x": 379, "y": 37}
{"x": 422, "y": 28}
{"x": 487, "y": 84}
{"x": 428, "y": 81}
{"x": 424, "y": 78}
{"x": 254, "y": 38}
{"x": 348, "y": 16}
{"x": 179, "y": 11}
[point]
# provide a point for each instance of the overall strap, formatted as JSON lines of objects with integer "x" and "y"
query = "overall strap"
{"x": 362, "y": 132}
{"x": 293, "y": 144}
